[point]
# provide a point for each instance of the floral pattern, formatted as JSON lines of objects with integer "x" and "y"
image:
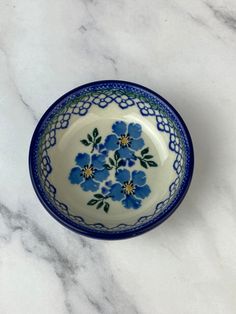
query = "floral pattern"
{"x": 130, "y": 189}
{"x": 120, "y": 149}
{"x": 89, "y": 171}
{"x": 125, "y": 140}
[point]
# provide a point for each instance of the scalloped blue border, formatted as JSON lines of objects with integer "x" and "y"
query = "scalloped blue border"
{"x": 121, "y": 234}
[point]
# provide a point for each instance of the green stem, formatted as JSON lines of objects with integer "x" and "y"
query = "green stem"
{"x": 106, "y": 197}
{"x": 94, "y": 143}
{"x": 138, "y": 157}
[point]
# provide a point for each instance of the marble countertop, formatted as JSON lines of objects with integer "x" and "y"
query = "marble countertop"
{"x": 184, "y": 50}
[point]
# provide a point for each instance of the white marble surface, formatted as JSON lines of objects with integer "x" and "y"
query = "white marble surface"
{"x": 186, "y": 51}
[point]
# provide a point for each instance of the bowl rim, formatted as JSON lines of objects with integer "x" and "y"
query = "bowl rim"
{"x": 109, "y": 235}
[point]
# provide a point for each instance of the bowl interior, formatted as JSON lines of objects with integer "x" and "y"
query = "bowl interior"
{"x": 110, "y": 157}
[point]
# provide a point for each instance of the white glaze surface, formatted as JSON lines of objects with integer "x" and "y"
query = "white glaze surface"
{"x": 185, "y": 50}
{"x": 68, "y": 145}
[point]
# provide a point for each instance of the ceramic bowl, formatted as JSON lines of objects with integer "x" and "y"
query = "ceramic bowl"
{"x": 111, "y": 159}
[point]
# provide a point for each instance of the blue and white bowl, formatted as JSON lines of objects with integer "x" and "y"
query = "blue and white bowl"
{"x": 111, "y": 159}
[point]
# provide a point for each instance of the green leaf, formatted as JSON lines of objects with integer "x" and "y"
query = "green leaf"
{"x": 143, "y": 164}
{"x": 148, "y": 157}
{"x": 144, "y": 151}
{"x": 111, "y": 161}
{"x": 89, "y": 137}
{"x": 92, "y": 202}
{"x": 116, "y": 155}
{"x": 99, "y": 205}
{"x": 106, "y": 207}
{"x": 98, "y": 195}
{"x": 152, "y": 163}
{"x": 108, "y": 167}
{"x": 95, "y": 132}
{"x": 85, "y": 142}
{"x": 98, "y": 140}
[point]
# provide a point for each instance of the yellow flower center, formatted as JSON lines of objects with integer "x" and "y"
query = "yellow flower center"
{"x": 124, "y": 140}
{"x": 88, "y": 172}
{"x": 129, "y": 188}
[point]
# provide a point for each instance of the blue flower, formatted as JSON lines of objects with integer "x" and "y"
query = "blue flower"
{"x": 127, "y": 162}
{"x": 89, "y": 171}
{"x": 131, "y": 188}
{"x": 102, "y": 149}
{"x": 108, "y": 183}
{"x": 104, "y": 190}
{"x": 131, "y": 162}
{"x": 126, "y": 139}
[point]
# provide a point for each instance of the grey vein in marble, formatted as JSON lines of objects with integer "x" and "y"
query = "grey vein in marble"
{"x": 83, "y": 29}
{"x": 20, "y": 96}
{"x": 28, "y": 108}
{"x": 112, "y": 61}
{"x": 227, "y": 18}
{"x": 68, "y": 268}
{"x": 86, "y": 5}
{"x": 197, "y": 20}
